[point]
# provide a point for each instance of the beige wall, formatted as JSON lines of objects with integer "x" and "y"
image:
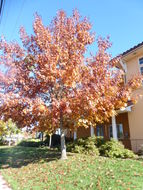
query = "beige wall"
{"x": 136, "y": 115}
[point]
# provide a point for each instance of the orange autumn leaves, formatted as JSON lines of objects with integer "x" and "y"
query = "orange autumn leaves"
{"x": 49, "y": 74}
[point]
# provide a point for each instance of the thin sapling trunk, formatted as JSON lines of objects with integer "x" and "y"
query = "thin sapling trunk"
{"x": 63, "y": 145}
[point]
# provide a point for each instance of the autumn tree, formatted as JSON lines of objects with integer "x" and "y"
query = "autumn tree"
{"x": 3, "y": 130}
{"x": 48, "y": 83}
{"x": 104, "y": 90}
{"x": 8, "y": 128}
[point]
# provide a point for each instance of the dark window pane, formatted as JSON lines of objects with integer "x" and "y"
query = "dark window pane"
{"x": 99, "y": 130}
{"x": 141, "y": 60}
{"x": 141, "y": 69}
{"x": 110, "y": 132}
{"x": 120, "y": 133}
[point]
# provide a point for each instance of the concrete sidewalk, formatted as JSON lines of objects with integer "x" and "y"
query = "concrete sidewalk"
{"x": 3, "y": 184}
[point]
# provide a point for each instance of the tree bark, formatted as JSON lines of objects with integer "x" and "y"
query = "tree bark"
{"x": 114, "y": 128}
{"x": 42, "y": 136}
{"x": 63, "y": 145}
{"x": 50, "y": 140}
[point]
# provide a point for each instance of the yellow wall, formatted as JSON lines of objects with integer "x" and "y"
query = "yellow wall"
{"x": 136, "y": 115}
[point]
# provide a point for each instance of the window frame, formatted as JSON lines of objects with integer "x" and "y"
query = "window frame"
{"x": 140, "y": 65}
{"x": 117, "y": 127}
{"x": 101, "y": 127}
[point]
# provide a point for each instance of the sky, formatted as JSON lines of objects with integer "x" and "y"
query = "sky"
{"x": 120, "y": 19}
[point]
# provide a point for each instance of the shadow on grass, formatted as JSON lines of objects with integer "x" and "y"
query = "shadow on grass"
{"x": 16, "y": 157}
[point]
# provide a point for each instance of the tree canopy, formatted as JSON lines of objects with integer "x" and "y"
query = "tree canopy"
{"x": 48, "y": 83}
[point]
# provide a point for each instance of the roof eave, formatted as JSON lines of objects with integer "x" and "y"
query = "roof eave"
{"x": 132, "y": 50}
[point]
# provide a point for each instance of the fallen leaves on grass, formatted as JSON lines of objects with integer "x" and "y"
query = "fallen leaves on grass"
{"x": 78, "y": 172}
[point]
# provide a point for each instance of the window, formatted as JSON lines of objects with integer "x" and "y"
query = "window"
{"x": 99, "y": 130}
{"x": 120, "y": 133}
{"x": 141, "y": 65}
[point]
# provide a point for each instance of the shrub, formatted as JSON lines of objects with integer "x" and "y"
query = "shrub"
{"x": 90, "y": 148}
{"x": 115, "y": 149}
{"x": 129, "y": 154}
{"x": 77, "y": 149}
{"x": 140, "y": 151}
{"x": 86, "y": 146}
{"x": 74, "y": 147}
{"x": 98, "y": 141}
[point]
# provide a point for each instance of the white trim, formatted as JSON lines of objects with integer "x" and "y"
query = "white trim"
{"x": 132, "y": 51}
{"x": 91, "y": 131}
{"x": 117, "y": 127}
{"x": 58, "y": 131}
{"x": 75, "y": 135}
{"x": 139, "y": 63}
{"x": 124, "y": 110}
{"x": 124, "y": 66}
{"x": 114, "y": 128}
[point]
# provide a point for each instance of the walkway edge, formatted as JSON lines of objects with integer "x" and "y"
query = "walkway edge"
{"x": 3, "y": 184}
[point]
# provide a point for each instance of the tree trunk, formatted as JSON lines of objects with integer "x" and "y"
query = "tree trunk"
{"x": 63, "y": 145}
{"x": 42, "y": 135}
{"x": 50, "y": 140}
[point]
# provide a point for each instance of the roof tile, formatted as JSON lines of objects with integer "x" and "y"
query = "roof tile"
{"x": 133, "y": 48}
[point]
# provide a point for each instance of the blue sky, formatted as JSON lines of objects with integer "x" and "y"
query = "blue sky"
{"x": 121, "y": 19}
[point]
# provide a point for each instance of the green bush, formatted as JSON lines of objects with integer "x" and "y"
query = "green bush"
{"x": 115, "y": 149}
{"x": 77, "y": 149}
{"x": 140, "y": 151}
{"x": 90, "y": 148}
{"x": 129, "y": 154}
{"x": 86, "y": 146}
{"x": 98, "y": 141}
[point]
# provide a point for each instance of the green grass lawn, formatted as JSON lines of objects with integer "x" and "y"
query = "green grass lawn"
{"x": 40, "y": 169}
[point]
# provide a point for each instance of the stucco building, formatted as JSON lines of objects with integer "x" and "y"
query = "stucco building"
{"x": 127, "y": 126}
